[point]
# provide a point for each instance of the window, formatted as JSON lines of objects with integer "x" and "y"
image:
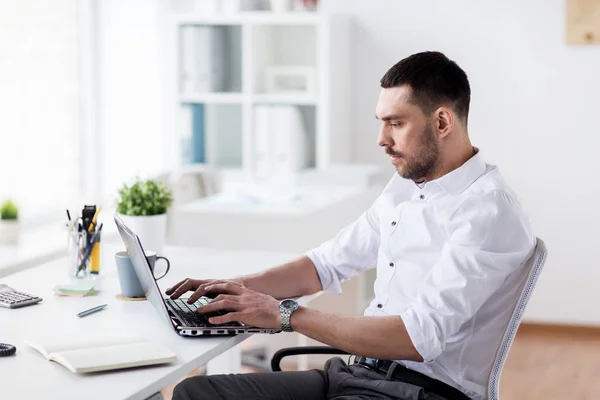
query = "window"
{"x": 40, "y": 99}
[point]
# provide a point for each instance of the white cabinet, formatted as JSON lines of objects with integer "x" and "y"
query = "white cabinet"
{"x": 265, "y": 93}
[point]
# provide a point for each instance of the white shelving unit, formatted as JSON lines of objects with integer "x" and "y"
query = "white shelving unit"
{"x": 256, "y": 41}
{"x": 246, "y": 214}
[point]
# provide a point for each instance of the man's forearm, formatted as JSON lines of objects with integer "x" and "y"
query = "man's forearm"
{"x": 293, "y": 279}
{"x": 376, "y": 337}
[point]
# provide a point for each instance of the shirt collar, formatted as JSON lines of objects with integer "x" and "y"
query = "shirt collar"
{"x": 458, "y": 180}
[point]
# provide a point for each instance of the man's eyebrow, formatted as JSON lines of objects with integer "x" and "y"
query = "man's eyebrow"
{"x": 392, "y": 117}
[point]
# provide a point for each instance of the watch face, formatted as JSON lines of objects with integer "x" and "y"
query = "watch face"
{"x": 289, "y": 304}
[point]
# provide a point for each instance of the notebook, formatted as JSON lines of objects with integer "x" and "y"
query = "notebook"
{"x": 102, "y": 354}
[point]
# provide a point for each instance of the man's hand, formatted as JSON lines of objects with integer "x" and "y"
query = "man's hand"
{"x": 198, "y": 286}
{"x": 243, "y": 305}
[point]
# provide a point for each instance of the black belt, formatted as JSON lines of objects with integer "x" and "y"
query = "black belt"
{"x": 403, "y": 374}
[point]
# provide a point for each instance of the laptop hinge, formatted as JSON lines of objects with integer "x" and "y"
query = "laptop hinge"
{"x": 175, "y": 320}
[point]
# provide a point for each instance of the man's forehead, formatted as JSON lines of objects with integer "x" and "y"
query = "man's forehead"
{"x": 393, "y": 100}
{"x": 399, "y": 94}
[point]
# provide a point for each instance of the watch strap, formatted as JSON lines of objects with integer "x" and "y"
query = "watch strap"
{"x": 286, "y": 315}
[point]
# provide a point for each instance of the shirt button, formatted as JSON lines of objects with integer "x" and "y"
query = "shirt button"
{"x": 422, "y": 197}
{"x": 379, "y": 305}
{"x": 393, "y": 223}
{"x": 391, "y": 264}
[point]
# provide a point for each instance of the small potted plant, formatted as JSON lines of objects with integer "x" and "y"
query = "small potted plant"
{"x": 9, "y": 223}
{"x": 143, "y": 208}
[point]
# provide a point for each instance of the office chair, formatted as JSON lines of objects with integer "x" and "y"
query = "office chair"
{"x": 534, "y": 267}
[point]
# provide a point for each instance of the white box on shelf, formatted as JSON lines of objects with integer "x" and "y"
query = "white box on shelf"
{"x": 291, "y": 79}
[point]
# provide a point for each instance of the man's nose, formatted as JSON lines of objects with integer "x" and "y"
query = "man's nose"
{"x": 384, "y": 139}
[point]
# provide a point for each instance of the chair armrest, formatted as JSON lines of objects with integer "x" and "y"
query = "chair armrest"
{"x": 293, "y": 351}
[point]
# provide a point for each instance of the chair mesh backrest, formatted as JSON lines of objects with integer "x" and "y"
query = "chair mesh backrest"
{"x": 534, "y": 265}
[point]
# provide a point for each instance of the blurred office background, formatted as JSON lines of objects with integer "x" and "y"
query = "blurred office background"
{"x": 263, "y": 122}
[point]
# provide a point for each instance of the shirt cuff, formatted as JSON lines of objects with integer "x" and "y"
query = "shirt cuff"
{"x": 423, "y": 335}
{"x": 327, "y": 276}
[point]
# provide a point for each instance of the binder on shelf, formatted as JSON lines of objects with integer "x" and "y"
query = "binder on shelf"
{"x": 198, "y": 142}
{"x": 202, "y": 50}
{"x": 280, "y": 142}
{"x": 289, "y": 155}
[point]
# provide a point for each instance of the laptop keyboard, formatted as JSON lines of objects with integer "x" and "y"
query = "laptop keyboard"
{"x": 188, "y": 312}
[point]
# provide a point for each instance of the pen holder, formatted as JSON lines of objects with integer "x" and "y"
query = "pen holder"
{"x": 83, "y": 257}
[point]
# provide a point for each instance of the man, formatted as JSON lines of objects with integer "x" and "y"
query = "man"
{"x": 449, "y": 241}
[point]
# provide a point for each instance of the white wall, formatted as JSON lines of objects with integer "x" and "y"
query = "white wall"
{"x": 131, "y": 111}
{"x": 40, "y": 119}
{"x": 534, "y": 113}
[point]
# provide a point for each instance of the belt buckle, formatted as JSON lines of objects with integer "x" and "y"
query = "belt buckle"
{"x": 361, "y": 361}
{"x": 371, "y": 363}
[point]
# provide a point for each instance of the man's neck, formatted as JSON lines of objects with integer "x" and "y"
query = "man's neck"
{"x": 450, "y": 164}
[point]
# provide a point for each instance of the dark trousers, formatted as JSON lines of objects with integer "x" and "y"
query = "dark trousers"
{"x": 337, "y": 381}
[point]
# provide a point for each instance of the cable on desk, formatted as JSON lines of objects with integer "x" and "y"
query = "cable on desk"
{"x": 7, "y": 350}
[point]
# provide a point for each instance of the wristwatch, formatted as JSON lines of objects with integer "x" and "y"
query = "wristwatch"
{"x": 286, "y": 308}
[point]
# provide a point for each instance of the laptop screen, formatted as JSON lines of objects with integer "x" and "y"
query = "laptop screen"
{"x": 142, "y": 268}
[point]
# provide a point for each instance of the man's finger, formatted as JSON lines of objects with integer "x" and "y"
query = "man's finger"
{"x": 200, "y": 291}
{"x": 225, "y": 287}
{"x": 186, "y": 286}
{"x": 175, "y": 286}
{"x": 212, "y": 282}
{"x": 233, "y": 282}
{"x": 220, "y": 305}
{"x": 229, "y": 317}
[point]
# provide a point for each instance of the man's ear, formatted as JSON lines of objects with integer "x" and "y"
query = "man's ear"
{"x": 444, "y": 121}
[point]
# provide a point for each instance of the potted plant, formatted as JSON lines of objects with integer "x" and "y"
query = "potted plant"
{"x": 143, "y": 208}
{"x": 9, "y": 223}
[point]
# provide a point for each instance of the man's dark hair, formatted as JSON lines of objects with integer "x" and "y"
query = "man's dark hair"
{"x": 434, "y": 79}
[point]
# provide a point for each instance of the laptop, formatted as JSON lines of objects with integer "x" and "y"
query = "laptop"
{"x": 177, "y": 313}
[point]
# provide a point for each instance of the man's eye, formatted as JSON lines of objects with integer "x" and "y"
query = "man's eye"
{"x": 395, "y": 125}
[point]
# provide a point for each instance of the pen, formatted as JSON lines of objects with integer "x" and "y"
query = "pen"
{"x": 92, "y": 310}
{"x": 94, "y": 219}
{"x": 69, "y": 223}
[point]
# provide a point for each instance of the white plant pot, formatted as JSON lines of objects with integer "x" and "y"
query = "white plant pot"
{"x": 9, "y": 232}
{"x": 152, "y": 230}
{"x": 282, "y": 5}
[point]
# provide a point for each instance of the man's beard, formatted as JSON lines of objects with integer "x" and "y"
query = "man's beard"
{"x": 422, "y": 163}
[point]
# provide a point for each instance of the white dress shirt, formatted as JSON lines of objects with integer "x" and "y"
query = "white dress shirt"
{"x": 448, "y": 255}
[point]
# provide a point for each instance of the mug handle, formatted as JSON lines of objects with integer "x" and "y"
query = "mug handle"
{"x": 168, "y": 266}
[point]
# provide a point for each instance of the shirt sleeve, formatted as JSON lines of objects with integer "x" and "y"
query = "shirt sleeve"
{"x": 489, "y": 237}
{"x": 352, "y": 250}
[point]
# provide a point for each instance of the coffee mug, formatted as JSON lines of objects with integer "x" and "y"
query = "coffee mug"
{"x": 130, "y": 285}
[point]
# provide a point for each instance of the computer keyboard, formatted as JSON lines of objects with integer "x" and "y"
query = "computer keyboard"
{"x": 188, "y": 311}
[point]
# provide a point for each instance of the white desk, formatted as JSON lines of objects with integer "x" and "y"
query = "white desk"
{"x": 28, "y": 375}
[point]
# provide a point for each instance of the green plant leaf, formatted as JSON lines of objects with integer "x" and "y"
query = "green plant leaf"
{"x": 144, "y": 197}
{"x": 9, "y": 211}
